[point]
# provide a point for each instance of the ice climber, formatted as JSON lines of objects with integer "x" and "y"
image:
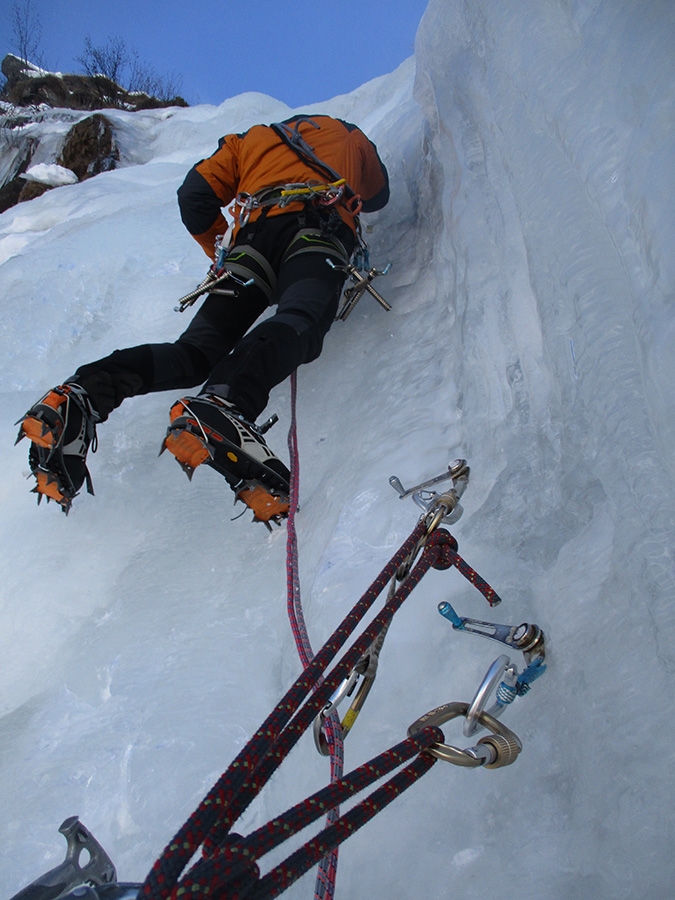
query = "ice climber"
{"x": 296, "y": 190}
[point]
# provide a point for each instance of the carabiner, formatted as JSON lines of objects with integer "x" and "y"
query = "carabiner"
{"x": 345, "y": 690}
{"x": 500, "y": 672}
{"x": 366, "y": 669}
{"x": 498, "y": 749}
{"x": 502, "y": 676}
{"x": 443, "y": 507}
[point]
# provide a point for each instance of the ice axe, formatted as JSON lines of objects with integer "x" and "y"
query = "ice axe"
{"x": 98, "y": 868}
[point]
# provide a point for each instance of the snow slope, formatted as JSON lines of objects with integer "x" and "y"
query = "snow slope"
{"x": 144, "y": 637}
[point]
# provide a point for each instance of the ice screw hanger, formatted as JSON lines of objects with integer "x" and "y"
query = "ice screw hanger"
{"x": 446, "y": 504}
{"x": 502, "y": 678}
{"x": 210, "y": 285}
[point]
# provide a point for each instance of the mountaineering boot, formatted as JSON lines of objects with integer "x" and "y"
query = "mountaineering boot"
{"x": 61, "y": 427}
{"x": 208, "y": 429}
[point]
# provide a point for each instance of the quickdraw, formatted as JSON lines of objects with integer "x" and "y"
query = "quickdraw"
{"x": 439, "y": 508}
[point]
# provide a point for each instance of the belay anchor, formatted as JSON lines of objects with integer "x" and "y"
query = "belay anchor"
{"x": 502, "y": 678}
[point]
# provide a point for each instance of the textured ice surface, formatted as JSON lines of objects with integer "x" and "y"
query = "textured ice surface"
{"x": 145, "y": 637}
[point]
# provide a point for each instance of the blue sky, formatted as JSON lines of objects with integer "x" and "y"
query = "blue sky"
{"x": 300, "y": 52}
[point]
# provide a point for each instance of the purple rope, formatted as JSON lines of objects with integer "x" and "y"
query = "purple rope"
{"x": 327, "y": 870}
{"x": 210, "y": 823}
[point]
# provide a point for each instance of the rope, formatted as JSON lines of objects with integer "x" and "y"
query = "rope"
{"x": 327, "y": 871}
{"x": 228, "y": 868}
{"x": 238, "y": 857}
{"x": 295, "y": 613}
{"x": 479, "y": 583}
{"x": 280, "y": 878}
{"x": 210, "y": 824}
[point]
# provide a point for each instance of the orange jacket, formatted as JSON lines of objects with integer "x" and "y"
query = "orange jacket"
{"x": 259, "y": 158}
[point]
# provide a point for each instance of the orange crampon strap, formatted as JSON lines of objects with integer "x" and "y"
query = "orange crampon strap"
{"x": 188, "y": 442}
{"x": 37, "y": 430}
{"x": 266, "y": 505}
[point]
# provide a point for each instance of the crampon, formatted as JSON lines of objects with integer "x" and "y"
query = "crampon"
{"x": 267, "y": 505}
{"x": 61, "y": 427}
{"x": 208, "y": 430}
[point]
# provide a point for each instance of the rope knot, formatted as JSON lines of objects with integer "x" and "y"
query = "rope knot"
{"x": 445, "y": 547}
{"x": 228, "y": 866}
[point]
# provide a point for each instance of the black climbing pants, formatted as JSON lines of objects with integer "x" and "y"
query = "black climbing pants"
{"x": 285, "y": 255}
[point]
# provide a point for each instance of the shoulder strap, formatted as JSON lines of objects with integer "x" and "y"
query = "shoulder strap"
{"x": 293, "y": 139}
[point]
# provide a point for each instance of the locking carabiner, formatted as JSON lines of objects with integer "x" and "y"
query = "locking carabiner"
{"x": 498, "y": 749}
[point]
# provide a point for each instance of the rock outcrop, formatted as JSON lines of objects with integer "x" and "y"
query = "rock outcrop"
{"x": 88, "y": 148}
{"x": 27, "y": 85}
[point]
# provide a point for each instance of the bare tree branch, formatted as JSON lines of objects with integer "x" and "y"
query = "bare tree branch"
{"x": 109, "y": 59}
{"x": 114, "y": 59}
{"x": 27, "y": 32}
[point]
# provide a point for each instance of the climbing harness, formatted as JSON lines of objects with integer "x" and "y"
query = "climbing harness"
{"x": 320, "y": 194}
{"x": 323, "y": 195}
{"x": 293, "y": 139}
{"x": 220, "y": 273}
{"x": 228, "y": 868}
